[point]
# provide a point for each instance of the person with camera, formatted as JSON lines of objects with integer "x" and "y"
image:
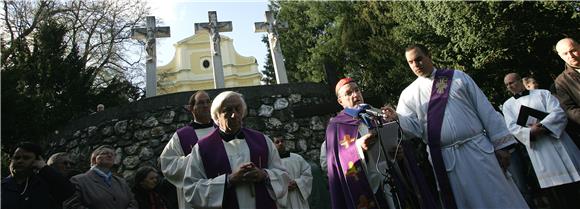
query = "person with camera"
{"x": 33, "y": 184}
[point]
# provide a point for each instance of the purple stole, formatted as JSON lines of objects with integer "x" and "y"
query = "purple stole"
{"x": 417, "y": 179}
{"x": 349, "y": 186}
{"x": 435, "y": 114}
{"x": 187, "y": 138}
{"x": 216, "y": 162}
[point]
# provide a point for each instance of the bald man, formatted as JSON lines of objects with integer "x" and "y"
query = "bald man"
{"x": 568, "y": 85}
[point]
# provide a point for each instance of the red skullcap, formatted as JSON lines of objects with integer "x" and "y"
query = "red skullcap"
{"x": 341, "y": 83}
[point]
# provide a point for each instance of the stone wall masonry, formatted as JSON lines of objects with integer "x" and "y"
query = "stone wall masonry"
{"x": 140, "y": 130}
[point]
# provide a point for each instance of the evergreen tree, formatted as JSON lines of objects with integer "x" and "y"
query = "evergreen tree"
{"x": 268, "y": 75}
{"x": 44, "y": 86}
{"x": 366, "y": 40}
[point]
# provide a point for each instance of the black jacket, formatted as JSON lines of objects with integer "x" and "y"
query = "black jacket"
{"x": 47, "y": 189}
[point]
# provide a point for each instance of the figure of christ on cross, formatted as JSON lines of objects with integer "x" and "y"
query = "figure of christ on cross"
{"x": 214, "y": 27}
{"x": 149, "y": 34}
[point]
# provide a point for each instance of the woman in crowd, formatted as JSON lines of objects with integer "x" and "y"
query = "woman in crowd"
{"x": 146, "y": 180}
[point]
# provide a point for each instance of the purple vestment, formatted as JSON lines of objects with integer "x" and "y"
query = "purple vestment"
{"x": 216, "y": 162}
{"x": 349, "y": 186}
{"x": 435, "y": 113}
{"x": 187, "y": 138}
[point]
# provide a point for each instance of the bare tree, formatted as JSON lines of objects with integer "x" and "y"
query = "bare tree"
{"x": 100, "y": 28}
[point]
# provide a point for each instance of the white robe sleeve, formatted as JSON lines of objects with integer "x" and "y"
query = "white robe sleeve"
{"x": 556, "y": 120}
{"x": 492, "y": 122}
{"x": 304, "y": 182}
{"x": 173, "y": 161}
{"x": 510, "y": 111}
{"x": 277, "y": 175}
{"x": 200, "y": 191}
{"x": 406, "y": 112}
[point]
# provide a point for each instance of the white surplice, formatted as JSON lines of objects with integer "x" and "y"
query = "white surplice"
{"x": 471, "y": 131}
{"x": 203, "y": 192}
{"x": 299, "y": 171}
{"x": 173, "y": 162}
{"x": 554, "y": 156}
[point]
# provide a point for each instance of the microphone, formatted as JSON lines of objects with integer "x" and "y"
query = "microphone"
{"x": 362, "y": 109}
{"x": 372, "y": 111}
{"x": 354, "y": 112}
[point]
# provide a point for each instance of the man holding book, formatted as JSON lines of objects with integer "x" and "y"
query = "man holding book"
{"x": 536, "y": 119}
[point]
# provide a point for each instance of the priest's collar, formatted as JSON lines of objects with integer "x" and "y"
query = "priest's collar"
{"x": 284, "y": 154}
{"x": 197, "y": 125}
{"x": 228, "y": 137}
{"x": 521, "y": 94}
{"x": 432, "y": 75}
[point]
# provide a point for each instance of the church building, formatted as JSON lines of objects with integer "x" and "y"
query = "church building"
{"x": 190, "y": 69}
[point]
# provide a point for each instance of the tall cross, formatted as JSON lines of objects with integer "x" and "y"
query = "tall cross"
{"x": 149, "y": 34}
{"x": 214, "y": 27}
{"x": 270, "y": 27}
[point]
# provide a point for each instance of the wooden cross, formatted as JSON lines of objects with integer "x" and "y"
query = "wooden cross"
{"x": 149, "y": 34}
{"x": 214, "y": 27}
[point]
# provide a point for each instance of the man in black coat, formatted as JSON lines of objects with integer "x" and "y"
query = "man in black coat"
{"x": 31, "y": 183}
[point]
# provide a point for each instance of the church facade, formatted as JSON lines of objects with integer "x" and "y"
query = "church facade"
{"x": 191, "y": 69}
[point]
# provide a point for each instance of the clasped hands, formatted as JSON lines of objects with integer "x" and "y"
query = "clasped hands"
{"x": 292, "y": 185}
{"x": 247, "y": 173}
{"x": 536, "y": 130}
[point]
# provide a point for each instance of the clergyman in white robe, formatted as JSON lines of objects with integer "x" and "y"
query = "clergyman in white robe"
{"x": 555, "y": 158}
{"x": 299, "y": 171}
{"x": 174, "y": 161}
{"x": 471, "y": 132}
{"x": 204, "y": 192}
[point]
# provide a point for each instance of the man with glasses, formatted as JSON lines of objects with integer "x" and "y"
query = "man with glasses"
{"x": 174, "y": 156}
{"x": 98, "y": 188}
{"x": 352, "y": 176}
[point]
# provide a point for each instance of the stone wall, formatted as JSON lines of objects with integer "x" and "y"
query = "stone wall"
{"x": 140, "y": 130}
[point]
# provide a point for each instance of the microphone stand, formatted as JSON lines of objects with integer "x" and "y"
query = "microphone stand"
{"x": 390, "y": 164}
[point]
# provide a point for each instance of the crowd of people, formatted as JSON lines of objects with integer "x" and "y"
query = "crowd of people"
{"x": 475, "y": 153}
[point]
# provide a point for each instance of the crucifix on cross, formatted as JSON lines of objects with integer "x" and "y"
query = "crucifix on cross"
{"x": 214, "y": 27}
{"x": 270, "y": 26}
{"x": 149, "y": 34}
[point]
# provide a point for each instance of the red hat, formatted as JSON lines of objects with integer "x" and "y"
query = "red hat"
{"x": 341, "y": 83}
